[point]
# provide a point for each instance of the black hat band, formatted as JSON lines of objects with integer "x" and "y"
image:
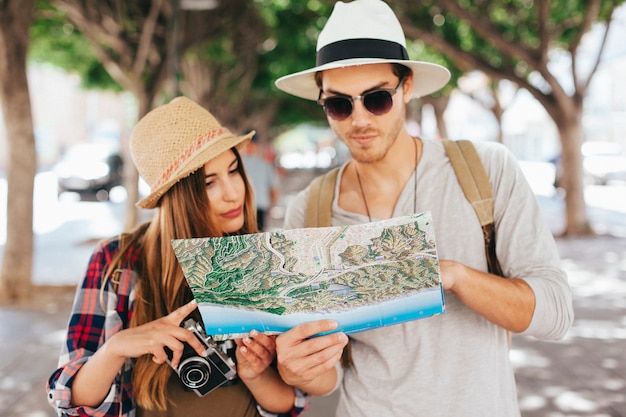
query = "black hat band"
{"x": 361, "y": 48}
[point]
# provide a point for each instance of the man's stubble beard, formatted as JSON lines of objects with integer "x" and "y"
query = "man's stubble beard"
{"x": 369, "y": 155}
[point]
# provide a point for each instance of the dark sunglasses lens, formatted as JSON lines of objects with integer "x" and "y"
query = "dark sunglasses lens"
{"x": 378, "y": 102}
{"x": 339, "y": 108}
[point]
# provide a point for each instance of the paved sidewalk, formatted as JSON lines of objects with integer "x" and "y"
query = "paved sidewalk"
{"x": 583, "y": 375}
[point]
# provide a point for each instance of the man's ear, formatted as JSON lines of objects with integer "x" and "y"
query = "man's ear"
{"x": 407, "y": 88}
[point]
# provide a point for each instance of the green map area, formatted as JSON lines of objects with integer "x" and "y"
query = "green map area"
{"x": 313, "y": 269}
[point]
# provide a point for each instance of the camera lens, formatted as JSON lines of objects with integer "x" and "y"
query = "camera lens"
{"x": 194, "y": 372}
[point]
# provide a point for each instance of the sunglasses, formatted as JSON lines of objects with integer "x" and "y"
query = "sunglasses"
{"x": 377, "y": 102}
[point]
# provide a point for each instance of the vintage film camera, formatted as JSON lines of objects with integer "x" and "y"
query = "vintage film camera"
{"x": 199, "y": 374}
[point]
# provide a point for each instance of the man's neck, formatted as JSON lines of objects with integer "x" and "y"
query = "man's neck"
{"x": 396, "y": 167}
{"x": 373, "y": 189}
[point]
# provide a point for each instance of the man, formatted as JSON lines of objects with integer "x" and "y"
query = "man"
{"x": 457, "y": 363}
{"x": 264, "y": 180}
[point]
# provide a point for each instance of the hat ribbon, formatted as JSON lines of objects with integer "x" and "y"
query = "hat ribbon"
{"x": 187, "y": 153}
{"x": 361, "y": 48}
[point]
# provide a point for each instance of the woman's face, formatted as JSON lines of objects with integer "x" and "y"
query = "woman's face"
{"x": 226, "y": 192}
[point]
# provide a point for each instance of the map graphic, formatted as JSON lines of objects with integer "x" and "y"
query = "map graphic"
{"x": 364, "y": 276}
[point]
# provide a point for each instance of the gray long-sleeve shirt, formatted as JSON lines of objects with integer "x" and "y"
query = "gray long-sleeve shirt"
{"x": 455, "y": 364}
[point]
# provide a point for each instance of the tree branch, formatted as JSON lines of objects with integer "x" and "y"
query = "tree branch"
{"x": 489, "y": 32}
{"x": 88, "y": 22}
{"x": 589, "y": 17}
{"x": 145, "y": 39}
{"x": 585, "y": 86}
{"x": 467, "y": 60}
{"x": 543, "y": 14}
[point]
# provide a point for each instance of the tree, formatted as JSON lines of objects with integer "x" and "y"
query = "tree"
{"x": 491, "y": 95}
{"x": 15, "y": 275}
{"x": 292, "y": 30}
{"x": 56, "y": 41}
{"x": 232, "y": 72}
{"x": 219, "y": 69}
{"x": 140, "y": 43}
{"x": 513, "y": 40}
{"x": 131, "y": 39}
{"x": 439, "y": 100}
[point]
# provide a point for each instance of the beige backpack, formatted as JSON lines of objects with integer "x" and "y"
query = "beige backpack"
{"x": 472, "y": 178}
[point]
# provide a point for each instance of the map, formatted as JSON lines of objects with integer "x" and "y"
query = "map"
{"x": 363, "y": 276}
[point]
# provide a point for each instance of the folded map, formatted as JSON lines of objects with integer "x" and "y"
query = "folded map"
{"x": 364, "y": 276}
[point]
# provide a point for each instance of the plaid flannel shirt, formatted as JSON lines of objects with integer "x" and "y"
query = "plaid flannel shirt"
{"x": 98, "y": 314}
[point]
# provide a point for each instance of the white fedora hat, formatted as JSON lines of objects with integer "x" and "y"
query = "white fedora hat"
{"x": 359, "y": 33}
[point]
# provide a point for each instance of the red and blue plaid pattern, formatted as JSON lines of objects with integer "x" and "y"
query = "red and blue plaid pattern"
{"x": 97, "y": 314}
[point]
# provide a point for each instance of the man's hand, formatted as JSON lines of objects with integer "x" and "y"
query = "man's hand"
{"x": 507, "y": 302}
{"x": 309, "y": 362}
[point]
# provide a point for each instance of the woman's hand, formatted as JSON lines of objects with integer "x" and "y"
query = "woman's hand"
{"x": 254, "y": 354}
{"x": 93, "y": 380}
{"x": 152, "y": 338}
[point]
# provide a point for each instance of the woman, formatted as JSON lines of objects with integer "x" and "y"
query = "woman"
{"x": 133, "y": 299}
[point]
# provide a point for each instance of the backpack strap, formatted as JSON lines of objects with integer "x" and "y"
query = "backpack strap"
{"x": 320, "y": 200}
{"x": 121, "y": 276}
{"x": 474, "y": 181}
{"x": 472, "y": 178}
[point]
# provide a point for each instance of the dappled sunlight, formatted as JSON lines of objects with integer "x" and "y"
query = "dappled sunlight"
{"x": 571, "y": 377}
{"x": 589, "y": 283}
{"x": 526, "y": 358}
{"x": 569, "y": 401}
{"x": 597, "y": 329}
{"x": 606, "y": 276}
{"x": 585, "y": 373}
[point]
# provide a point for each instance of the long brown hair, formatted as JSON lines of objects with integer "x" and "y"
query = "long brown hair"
{"x": 181, "y": 213}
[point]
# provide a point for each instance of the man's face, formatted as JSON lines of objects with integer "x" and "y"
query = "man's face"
{"x": 368, "y": 137}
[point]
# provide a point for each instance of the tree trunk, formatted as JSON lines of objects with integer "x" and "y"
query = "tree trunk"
{"x": 440, "y": 104}
{"x": 571, "y": 135}
{"x": 15, "y": 274}
{"x": 131, "y": 184}
{"x": 135, "y": 56}
{"x": 131, "y": 176}
{"x": 498, "y": 111}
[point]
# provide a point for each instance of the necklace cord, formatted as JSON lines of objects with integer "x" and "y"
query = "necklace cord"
{"x": 358, "y": 178}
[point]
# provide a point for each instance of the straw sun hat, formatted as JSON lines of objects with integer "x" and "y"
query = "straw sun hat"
{"x": 359, "y": 33}
{"x": 174, "y": 140}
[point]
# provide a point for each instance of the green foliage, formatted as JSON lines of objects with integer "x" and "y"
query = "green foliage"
{"x": 293, "y": 26}
{"x": 517, "y": 23}
{"x": 420, "y": 51}
{"x": 56, "y": 41}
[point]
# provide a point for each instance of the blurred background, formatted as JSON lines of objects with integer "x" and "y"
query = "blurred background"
{"x": 546, "y": 79}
